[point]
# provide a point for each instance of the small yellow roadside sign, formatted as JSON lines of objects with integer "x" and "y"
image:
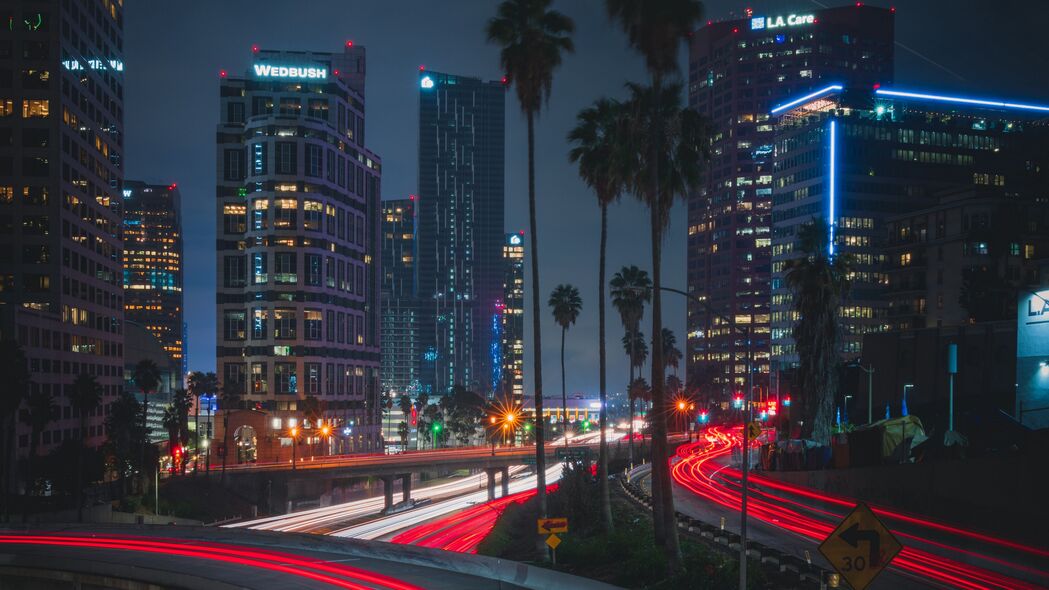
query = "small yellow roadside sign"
{"x": 861, "y": 547}
{"x": 552, "y": 525}
{"x": 553, "y": 541}
{"x": 753, "y": 430}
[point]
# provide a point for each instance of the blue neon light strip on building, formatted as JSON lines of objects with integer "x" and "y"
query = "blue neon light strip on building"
{"x": 833, "y": 192}
{"x": 960, "y": 100}
{"x": 797, "y": 101}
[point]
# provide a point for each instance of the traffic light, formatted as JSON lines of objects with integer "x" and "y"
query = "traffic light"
{"x": 786, "y": 402}
{"x": 737, "y": 402}
{"x": 704, "y": 417}
{"x": 436, "y": 427}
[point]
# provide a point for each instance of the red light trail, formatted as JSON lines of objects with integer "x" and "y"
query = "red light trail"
{"x": 699, "y": 471}
{"x": 338, "y": 575}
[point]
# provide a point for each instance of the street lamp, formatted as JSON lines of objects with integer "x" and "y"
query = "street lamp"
{"x": 294, "y": 438}
{"x": 847, "y": 398}
{"x": 869, "y": 370}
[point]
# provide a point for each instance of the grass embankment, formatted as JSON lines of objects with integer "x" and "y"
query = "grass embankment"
{"x": 627, "y": 557}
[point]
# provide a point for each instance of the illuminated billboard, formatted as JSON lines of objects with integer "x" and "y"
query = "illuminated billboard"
{"x": 1032, "y": 359}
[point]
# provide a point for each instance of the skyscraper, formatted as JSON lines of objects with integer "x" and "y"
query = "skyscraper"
{"x": 460, "y": 265}
{"x": 401, "y": 354}
{"x": 511, "y": 353}
{"x": 61, "y": 142}
{"x": 298, "y": 218}
{"x": 855, "y": 157}
{"x": 738, "y": 70}
{"x": 153, "y": 262}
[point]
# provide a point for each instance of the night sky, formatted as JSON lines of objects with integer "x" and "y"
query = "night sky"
{"x": 173, "y": 57}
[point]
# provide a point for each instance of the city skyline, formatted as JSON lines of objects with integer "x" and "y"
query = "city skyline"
{"x": 159, "y": 153}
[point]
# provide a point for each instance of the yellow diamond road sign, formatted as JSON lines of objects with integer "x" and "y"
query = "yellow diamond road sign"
{"x": 553, "y": 541}
{"x": 861, "y": 547}
{"x": 753, "y": 430}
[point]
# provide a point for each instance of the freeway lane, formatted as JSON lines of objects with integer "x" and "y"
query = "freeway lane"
{"x": 936, "y": 553}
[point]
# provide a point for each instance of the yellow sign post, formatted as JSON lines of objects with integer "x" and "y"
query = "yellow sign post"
{"x": 552, "y": 525}
{"x": 861, "y": 547}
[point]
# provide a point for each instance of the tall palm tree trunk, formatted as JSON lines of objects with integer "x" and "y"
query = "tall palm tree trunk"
{"x": 602, "y": 458}
{"x": 537, "y": 348}
{"x": 225, "y": 442}
{"x": 564, "y": 391}
{"x": 196, "y": 450}
{"x": 630, "y": 394}
{"x": 142, "y": 450}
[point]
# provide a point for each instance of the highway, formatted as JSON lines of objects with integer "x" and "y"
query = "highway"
{"x": 794, "y": 519}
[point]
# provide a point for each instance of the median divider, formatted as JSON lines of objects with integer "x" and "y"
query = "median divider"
{"x": 776, "y": 562}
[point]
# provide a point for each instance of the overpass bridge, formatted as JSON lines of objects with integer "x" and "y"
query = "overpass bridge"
{"x": 277, "y": 485}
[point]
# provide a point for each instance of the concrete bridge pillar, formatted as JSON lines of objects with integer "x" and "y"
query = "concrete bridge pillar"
{"x": 406, "y": 487}
{"x": 491, "y": 471}
{"x": 505, "y": 476}
{"x": 387, "y": 488}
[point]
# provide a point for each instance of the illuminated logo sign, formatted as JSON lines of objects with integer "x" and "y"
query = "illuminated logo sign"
{"x": 94, "y": 64}
{"x": 515, "y": 240}
{"x": 426, "y": 82}
{"x": 268, "y": 71}
{"x": 127, "y": 195}
{"x": 775, "y": 22}
{"x": 1038, "y": 305}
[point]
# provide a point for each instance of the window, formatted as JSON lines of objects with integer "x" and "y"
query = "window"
{"x": 234, "y": 218}
{"x": 313, "y": 270}
{"x": 262, "y": 105}
{"x": 284, "y": 324}
{"x": 258, "y": 378}
{"x": 329, "y": 272}
{"x": 284, "y": 214}
{"x": 258, "y": 158}
{"x": 259, "y": 266}
{"x": 329, "y": 379}
{"x": 259, "y": 320}
{"x": 314, "y": 155}
{"x": 290, "y": 106}
{"x": 36, "y": 166}
{"x": 313, "y": 377}
{"x": 233, "y": 376}
{"x": 905, "y": 259}
{"x": 285, "y": 271}
{"x": 330, "y": 317}
{"x": 313, "y": 211}
{"x": 233, "y": 160}
{"x": 312, "y": 324}
{"x": 235, "y": 112}
{"x": 7, "y": 194}
{"x": 318, "y": 108}
{"x": 35, "y": 138}
{"x": 284, "y": 373}
{"x": 286, "y": 160}
{"x": 233, "y": 272}
{"x": 233, "y": 325}
{"x": 7, "y": 107}
{"x": 36, "y": 78}
{"x": 260, "y": 214}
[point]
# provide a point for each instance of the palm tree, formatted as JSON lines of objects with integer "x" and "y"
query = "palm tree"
{"x": 230, "y": 400}
{"x": 637, "y": 353}
{"x": 818, "y": 280}
{"x": 671, "y": 353}
{"x": 200, "y": 384}
{"x": 84, "y": 397}
{"x": 600, "y": 154}
{"x": 533, "y": 39}
{"x": 181, "y": 401}
{"x": 42, "y": 409}
{"x": 146, "y": 376}
{"x": 15, "y": 371}
{"x": 656, "y": 29}
{"x": 631, "y": 289}
{"x": 565, "y": 304}
{"x": 402, "y": 431}
{"x": 683, "y": 143}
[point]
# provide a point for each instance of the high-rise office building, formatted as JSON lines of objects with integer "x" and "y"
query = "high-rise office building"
{"x": 298, "y": 247}
{"x": 401, "y": 354}
{"x": 460, "y": 215}
{"x": 855, "y": 157}
{"x": 61, "y": 142}
{"x": 153, "y": 262}
{"x": 738, "y": 70}
{"x": 511, "y": 352}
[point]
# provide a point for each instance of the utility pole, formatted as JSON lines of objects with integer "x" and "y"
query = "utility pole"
{"x": 748, "y": 416}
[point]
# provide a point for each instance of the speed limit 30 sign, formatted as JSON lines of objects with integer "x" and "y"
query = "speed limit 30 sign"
{"x": 861, "y": 547}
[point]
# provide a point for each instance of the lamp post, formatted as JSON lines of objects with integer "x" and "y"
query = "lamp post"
{"x": 294, "y": 440}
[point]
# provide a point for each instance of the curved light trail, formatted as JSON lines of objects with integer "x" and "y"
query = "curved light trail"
{"x": 332, "y": 574}
{"x": 813, "y": 515}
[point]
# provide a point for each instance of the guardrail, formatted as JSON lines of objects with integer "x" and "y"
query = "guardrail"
{"x": 774, "y": 560}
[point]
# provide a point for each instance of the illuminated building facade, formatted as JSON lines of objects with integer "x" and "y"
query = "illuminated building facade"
{"x": 857, "y": 158}
{"x": 460, "y": 215}
{"x": 401, "y": 354}
{"x": 738, "y": 70}
{"x": 298, "y": 214}
{"x": 153, "y": 262}
{"x": 511, "y": 378}
{"x": 61, "y": 147}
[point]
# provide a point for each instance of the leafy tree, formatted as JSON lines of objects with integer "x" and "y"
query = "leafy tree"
{"x": 532, "y": 39}
{"x": 172, "y": 422}
{"x": 85, "y": 397}
{"x": 818, "y": 280}
{"x": 669, "y": 143}
{"x": 15, "y": 371}
{"x": 631, "y": 289}
{"x": 146, "y": 376}
{"x": 181, "y": 401}
{"x": 463, "y": 412}
{"x": 200, "y": 385}
{"x": 41, "y": 410}
{"x": 565, "y": 304}
{"x": 602, "y": 157}
{"x": 126, "y": 436}
{"x": 229, "y": 401}
{"x": 673, "y": 385}
{"x": 402, "y": 431}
